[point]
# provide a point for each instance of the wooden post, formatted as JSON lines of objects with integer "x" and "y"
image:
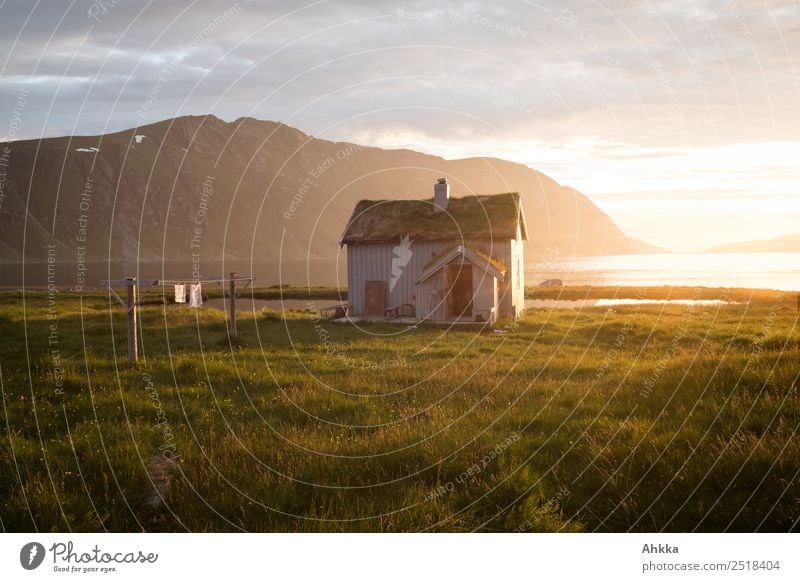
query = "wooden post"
{"x": 232, "y": 308}
{"x": 133, "y": 344}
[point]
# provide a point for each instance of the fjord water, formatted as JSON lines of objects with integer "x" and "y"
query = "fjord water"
{"x": 780, "y": 271}
{"x": 296, "y": 272}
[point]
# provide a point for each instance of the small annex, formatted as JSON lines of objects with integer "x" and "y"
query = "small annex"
{"x": 442, "y": 259}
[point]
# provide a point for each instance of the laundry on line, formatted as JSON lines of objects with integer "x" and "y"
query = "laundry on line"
{"x": 195, "y": 295}
{"x": 180, "y": 293}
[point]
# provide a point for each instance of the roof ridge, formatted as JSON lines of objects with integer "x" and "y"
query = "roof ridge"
{"x": 476, "y": 216}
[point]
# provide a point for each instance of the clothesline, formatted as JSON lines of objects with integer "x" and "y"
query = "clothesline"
{"x": 195, "y": 287}
{"x": 167, "y": 282}
{"x": 150, "y": 283}
{"x": 195, "y": 294}
{"x": 131, "y": 303}
{"x": 180, "y": 286}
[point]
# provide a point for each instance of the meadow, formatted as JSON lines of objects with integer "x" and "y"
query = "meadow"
{"x": 641, "y": 418}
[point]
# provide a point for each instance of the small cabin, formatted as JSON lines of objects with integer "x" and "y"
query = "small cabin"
{"x": 442, "y": 259}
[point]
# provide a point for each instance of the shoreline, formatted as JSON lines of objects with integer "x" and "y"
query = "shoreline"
{"x": 565, "y": 293}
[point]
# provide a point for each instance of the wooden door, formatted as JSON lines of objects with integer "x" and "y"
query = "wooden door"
{"x": 459, "y": 294}
{"x": 374, "y": 298}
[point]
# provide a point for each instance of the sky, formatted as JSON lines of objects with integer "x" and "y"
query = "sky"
{"x": 679, "y": 119}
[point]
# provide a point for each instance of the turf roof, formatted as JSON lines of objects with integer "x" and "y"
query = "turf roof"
{"x": 472, "y": 217}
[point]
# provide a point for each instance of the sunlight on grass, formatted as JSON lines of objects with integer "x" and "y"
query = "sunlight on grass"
{"x": 637, "y": 418}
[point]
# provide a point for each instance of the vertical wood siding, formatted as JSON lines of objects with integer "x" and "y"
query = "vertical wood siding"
{"x": 373, "y": 262}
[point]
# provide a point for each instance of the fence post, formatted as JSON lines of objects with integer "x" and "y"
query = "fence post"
{"x": 133, "y": 344}
{"x": 232, "y": 308}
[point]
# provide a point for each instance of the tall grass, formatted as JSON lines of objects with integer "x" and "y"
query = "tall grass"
{"x": 644, "y": 418}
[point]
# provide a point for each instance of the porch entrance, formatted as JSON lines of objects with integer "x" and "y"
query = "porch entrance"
{"x": 459, "y": 295}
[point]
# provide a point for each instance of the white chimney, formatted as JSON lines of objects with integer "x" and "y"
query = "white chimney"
{"x": 441, "y": 194}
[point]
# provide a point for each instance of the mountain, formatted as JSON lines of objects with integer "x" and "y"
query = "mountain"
{"x": 784, "y": 244}
{"x": 199, "y": 186}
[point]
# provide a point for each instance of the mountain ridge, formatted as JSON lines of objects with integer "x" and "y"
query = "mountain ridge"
{"x": 784, "y": 244}
{"x": 249, "y": 189}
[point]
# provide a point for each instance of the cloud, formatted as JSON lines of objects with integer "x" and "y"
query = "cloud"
{"x": 624, "y": 71}
{"x": 550, "y": 84}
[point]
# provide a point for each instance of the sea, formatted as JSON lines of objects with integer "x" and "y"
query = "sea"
{"x": 779, "y": 271}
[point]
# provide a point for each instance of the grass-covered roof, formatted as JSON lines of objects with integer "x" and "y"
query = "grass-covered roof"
{"x": 472, "y": 217}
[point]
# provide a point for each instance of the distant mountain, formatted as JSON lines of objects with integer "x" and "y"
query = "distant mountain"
{"x": 204, "y": 187}
{"x": 784, "y": 244}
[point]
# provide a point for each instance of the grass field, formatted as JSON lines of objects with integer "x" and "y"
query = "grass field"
{"x": 641, "y": 418}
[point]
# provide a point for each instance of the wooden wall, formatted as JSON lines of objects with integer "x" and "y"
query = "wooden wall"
{"x": 373, "y": 262}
